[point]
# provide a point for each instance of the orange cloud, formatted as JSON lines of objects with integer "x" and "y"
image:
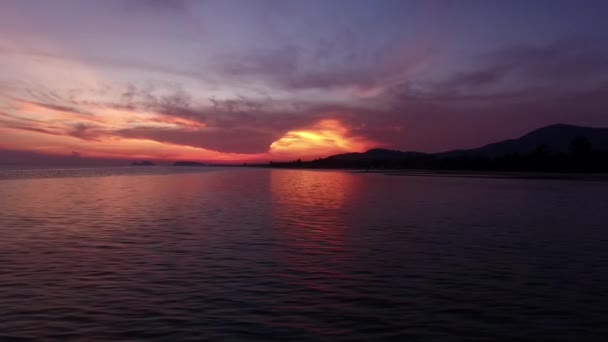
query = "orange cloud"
{"x": 33, "y": 110}
{"x": 328, "y": 136}
{"x": 178, "y": 122}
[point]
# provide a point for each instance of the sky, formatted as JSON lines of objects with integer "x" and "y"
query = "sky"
{"x": 262, "y": 80}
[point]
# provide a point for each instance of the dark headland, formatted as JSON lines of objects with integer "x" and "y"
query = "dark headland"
{"x": 557, "y": 148}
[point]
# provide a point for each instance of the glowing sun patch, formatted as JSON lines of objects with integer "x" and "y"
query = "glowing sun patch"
{"x": 326, "y": 137}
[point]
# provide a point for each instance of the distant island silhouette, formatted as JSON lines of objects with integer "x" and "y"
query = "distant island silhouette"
{"x": 555, "y": 148}
{"x": 188, "y": 163}
{"x": 143, "y": 163}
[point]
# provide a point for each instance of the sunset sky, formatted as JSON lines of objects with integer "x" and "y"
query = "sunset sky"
{"x": 256, "y": 80}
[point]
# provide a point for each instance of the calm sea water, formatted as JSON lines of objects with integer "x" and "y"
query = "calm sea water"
{"x": 157, "y": 254}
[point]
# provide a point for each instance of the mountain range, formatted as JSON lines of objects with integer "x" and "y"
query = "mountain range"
{"x": 557, "y": 138}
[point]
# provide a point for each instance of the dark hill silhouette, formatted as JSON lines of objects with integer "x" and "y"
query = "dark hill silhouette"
{"x": 555, "y": 148}
{"x": 556, "y": 138}
{"x": 374, "y": 154}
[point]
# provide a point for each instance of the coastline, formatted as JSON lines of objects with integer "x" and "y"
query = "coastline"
{"x": 493, "y": 174}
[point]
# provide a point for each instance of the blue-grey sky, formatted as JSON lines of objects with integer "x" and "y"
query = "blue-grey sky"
{"x": 261, "y": 79}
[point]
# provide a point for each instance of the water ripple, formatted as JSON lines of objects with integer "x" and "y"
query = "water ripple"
{"x": 247, "y": 254}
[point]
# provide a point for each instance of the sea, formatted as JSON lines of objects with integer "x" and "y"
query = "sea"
{"x": 258, "y": 254}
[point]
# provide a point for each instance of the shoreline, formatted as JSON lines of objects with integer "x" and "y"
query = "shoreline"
{"x": 493, "y": 174}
